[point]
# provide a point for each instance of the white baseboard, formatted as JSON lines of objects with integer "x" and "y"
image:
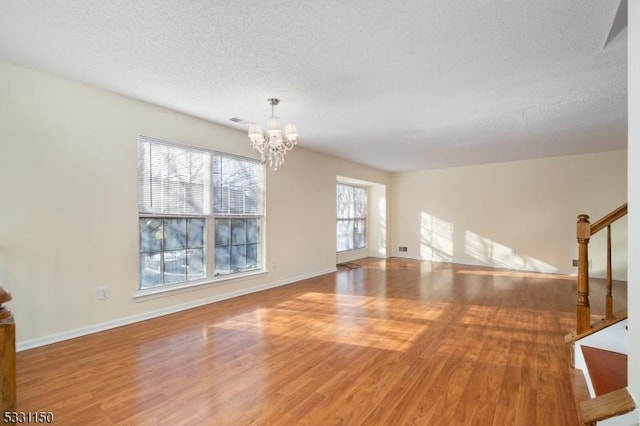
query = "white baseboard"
{"x": 83, "y": 331}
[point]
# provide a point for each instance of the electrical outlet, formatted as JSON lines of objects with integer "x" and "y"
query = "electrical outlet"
{"x": 104, "y": 292}
{"x": 402, "y": 249}
{"x": 574, "y": 262}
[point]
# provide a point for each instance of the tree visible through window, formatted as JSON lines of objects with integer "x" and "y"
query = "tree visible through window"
{"x": 171, "y": 250}
{"x": 182, "y": 193}
{"x": 351, "y": 226}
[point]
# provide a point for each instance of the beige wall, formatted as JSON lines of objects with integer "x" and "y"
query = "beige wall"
{"x": 69, "y": 205}
{"x": 516, "y": 215}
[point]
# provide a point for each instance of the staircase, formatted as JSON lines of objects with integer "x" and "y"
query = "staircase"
{"x": 607, "y": 369}
{"x": 598, "y": 349}
{"x": 599, "y": 364}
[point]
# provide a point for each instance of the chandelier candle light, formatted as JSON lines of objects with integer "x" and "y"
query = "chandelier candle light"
{"x": 275, "y": 145}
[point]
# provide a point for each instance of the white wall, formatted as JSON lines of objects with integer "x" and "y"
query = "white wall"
{"x": 517, "y": 215}
{"x": 634, "y": 200}
{"x": 68, "y": 174}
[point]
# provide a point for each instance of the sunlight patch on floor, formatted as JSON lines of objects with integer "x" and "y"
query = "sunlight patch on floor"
{"x": 358, "y": 320}
{"x": 518, "y": 274}
{"x": 528, "y": 320}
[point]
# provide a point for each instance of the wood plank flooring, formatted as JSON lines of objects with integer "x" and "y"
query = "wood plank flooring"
{"x": 394, "y": 342}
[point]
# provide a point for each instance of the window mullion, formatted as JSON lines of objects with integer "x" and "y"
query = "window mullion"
{"x": 162, "y": 252}
{"x": 210, "y": 246}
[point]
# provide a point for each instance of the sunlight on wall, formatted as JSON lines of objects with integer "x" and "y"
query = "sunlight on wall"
{"x": 382, "y": 217}
{"x": 436, "y": 238}
{"x": 491, "y": 253}
{"x": 437, "y": 243}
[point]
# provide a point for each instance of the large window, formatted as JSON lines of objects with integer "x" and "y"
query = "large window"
{"x": 351, "y": 203}
{"x": 200, "y": 213}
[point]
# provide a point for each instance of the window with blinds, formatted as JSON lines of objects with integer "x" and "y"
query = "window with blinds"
{"x": 351, "y": 226}
{"x": 237, "y": 186}
{"x": 200, "y": 213}
{"x": 172, "y": 179}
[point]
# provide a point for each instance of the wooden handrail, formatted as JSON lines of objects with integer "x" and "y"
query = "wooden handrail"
{"x": 609, "y": 219}
{"x": 584, "y": 231}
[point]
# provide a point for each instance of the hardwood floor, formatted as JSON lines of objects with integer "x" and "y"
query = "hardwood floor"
{"x": 394, "y": 342}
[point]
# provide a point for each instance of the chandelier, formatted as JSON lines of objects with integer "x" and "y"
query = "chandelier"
{"x": 274, "y": 147}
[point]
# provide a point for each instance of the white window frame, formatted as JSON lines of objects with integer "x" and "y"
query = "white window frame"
{"x": 208, "y": 214}
{"x": 353, "y": 217}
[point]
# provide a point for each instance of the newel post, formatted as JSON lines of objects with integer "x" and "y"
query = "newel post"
{"x": 583, "y": 233}
{"x": 7, "y": 355}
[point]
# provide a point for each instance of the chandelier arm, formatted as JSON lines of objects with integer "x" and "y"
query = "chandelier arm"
{"x": 288, "y": 144}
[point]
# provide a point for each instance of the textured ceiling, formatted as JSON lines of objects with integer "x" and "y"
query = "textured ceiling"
{"x": 398, "y": 85}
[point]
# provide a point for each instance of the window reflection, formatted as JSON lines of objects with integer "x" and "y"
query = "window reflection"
{"x": 171, "y": 250}
{"x": 237, "y": 245}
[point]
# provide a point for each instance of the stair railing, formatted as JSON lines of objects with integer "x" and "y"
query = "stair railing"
{"x": 584, "y": 231}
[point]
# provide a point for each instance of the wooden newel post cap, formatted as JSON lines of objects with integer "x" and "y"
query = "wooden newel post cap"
{"x": 583, "y": 228}
{"x": 5, "y": 296}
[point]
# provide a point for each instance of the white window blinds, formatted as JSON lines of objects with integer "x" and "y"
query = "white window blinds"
{"x": 238, "y": 186}
{"x": 179, "y": 180}
{"x": 351, "y": 202}
{"x": 172, "y": 179}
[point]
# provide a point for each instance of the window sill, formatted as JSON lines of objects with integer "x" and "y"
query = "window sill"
{"x": 169, "y": 290}
{"x": 351, "y": 250}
